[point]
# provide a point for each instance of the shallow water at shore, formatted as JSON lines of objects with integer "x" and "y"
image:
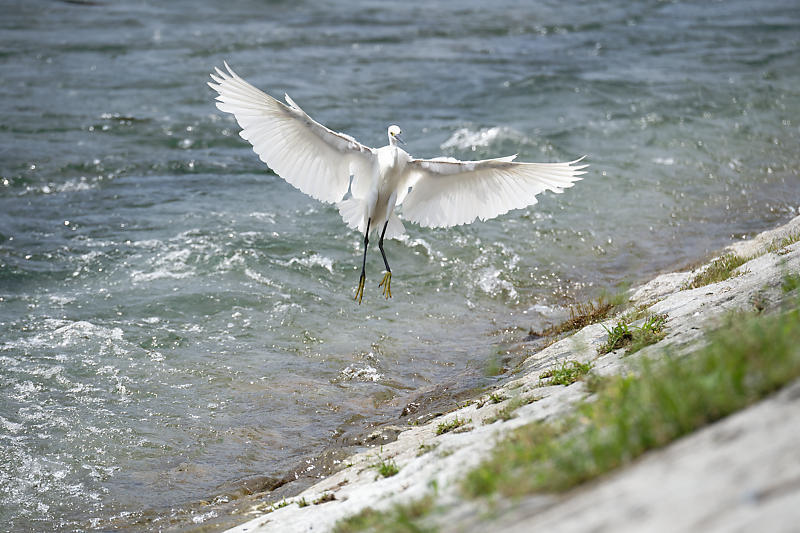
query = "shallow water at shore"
{"x": 175, "y": 319}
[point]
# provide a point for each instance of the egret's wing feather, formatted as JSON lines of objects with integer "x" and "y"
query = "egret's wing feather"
{"x": 447, "y": 192}
{"x": 313, "y": 158}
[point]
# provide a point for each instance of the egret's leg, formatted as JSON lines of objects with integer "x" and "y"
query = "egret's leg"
{"x": 387, "y": 276}
{"x": 363, "y": 278}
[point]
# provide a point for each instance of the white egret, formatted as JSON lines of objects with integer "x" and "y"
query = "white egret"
{"x": 438, "y": 192}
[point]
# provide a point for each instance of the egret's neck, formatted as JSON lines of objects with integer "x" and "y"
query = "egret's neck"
{"x": 392, "y": 141}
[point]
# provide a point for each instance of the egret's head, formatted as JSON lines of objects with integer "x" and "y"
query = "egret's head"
{"x": 394, "y": 135}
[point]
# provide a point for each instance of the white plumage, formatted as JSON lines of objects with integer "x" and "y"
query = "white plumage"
{"x": 437, "y": 192}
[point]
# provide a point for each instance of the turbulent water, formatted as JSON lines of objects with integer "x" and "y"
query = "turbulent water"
{"x": 175, "y": 319}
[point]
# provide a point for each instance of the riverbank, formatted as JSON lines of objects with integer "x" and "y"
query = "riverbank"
{"x": 745, "y": 460}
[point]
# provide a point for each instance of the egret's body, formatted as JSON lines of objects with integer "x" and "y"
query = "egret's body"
{"x": 437, "y": 192}
{"x": 392, "y": 162}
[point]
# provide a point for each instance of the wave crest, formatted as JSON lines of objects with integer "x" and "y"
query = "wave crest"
{"x": 496, "y": 137}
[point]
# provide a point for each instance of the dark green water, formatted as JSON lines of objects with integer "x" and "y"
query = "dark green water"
{"x": 175, "y": 319}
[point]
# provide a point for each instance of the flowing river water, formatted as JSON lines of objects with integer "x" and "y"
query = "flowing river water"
{"x": 176, "y": 321}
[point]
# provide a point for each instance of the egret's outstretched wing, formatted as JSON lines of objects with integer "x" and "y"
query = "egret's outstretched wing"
{"x": 447, "y": 192}
{"x": 316, "y": 160}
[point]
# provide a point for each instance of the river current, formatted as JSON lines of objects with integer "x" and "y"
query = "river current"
{"x": 176, "y": 320}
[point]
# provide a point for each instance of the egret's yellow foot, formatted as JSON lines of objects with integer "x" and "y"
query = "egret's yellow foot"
{"x": 360, "y": 289}
{"x": 386, "y": 284}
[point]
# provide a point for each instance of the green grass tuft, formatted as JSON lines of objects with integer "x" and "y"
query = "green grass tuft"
{"x": 791, "y": 282}
{"x": 720, "y": 269}
{"x": 425, "y": 448}
{"x": 496, "y": 398}
{"x": 326, "y": 497}
{"x": 778, "y": 245}
{"x": 445, "y": 427}
{"x": 618, "y": 336}
{"x": 568, "y": 373}
{"x": 387, "y": 468}
{"x": 269, "y": 507}
{"x": 790, "y": 239}
{"x": 581, "y": 315}
{"x": 399, "y": 519}
{"x": 507, "y": 412}
{"x": 650, "y": 332}
{"x": 752, "y": 356}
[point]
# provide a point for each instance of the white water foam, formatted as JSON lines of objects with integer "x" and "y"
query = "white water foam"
{"x": 414, "y": 243}
{"x": 312, "y": 261}
{"x": 361, "y": 373}
{"x": 71, "y": 185}
{"x": 491, "y": 283}
{"x": 172, "y": 264}
{"x": 467, "y": 139}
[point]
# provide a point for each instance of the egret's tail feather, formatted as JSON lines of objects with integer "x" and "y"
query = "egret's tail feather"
{"x": 354, "y": 213}
{"x": 395, "y": 227}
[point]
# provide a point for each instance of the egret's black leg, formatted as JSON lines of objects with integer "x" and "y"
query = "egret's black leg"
{"x": 363, "y": 278}
{"x": 387, "y": 277}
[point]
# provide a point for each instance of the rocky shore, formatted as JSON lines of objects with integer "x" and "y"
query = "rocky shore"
{"x": 740, "y": 473}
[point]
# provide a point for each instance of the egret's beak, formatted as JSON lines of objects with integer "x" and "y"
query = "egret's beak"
{"x": 399, "y": 139}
